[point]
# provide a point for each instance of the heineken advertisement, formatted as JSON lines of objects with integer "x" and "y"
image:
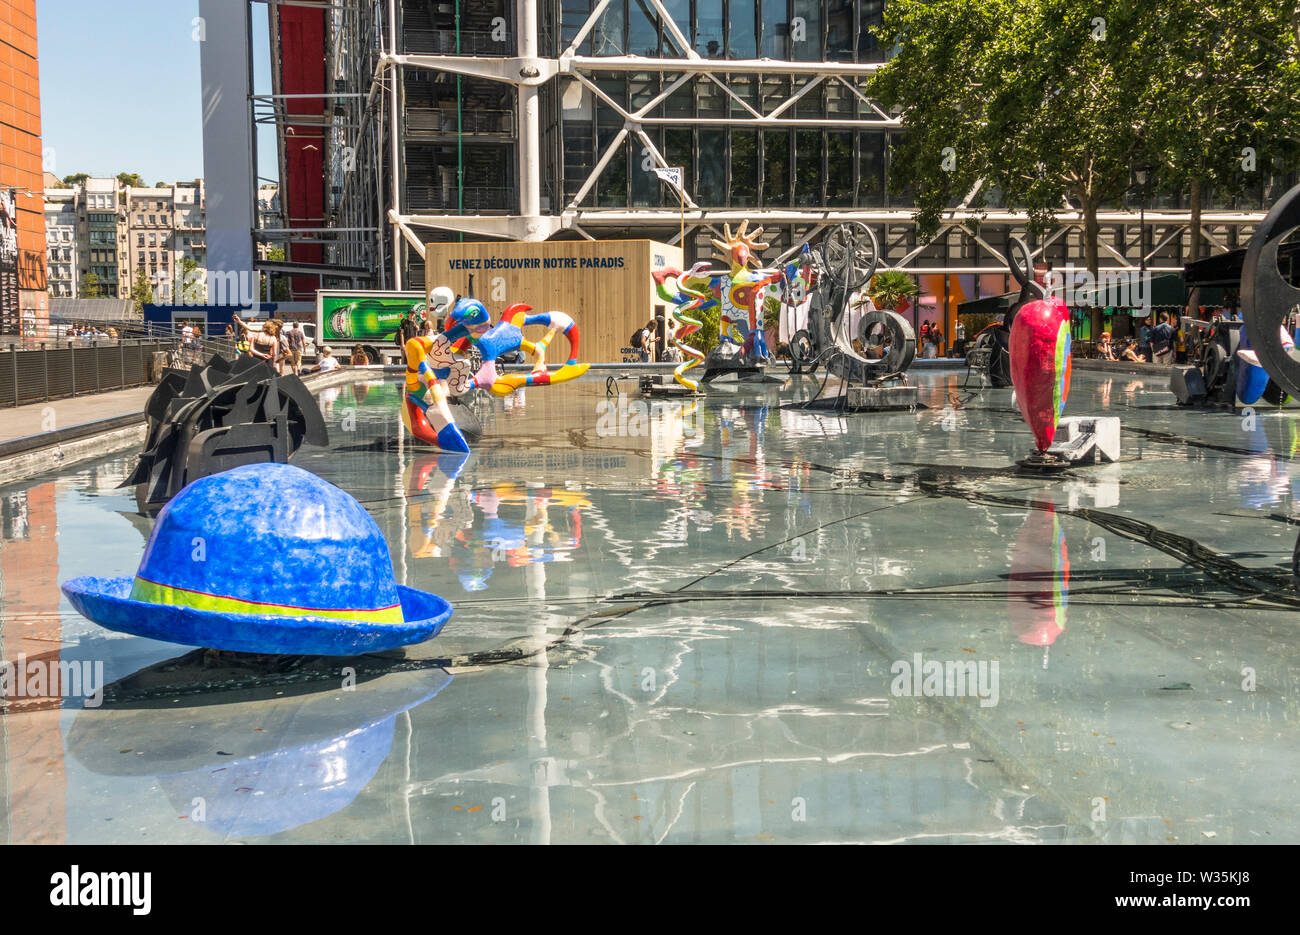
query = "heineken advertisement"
{"x": 364, "y": 317}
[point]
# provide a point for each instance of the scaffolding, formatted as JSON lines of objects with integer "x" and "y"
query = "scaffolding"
{"x": 393, "y": 147}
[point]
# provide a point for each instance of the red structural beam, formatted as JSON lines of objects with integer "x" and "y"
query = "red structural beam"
{"x": 302, "y": 71}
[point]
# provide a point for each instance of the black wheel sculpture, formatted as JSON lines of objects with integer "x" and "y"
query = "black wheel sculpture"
{"x": 890, "y": 335}
{"x": 803, "y": 355}
{"x": 850, "y": 255}
{"x": 1266, "y": 297}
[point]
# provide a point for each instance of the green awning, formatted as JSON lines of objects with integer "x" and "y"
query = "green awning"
{"x": 1159, "y": 289}
{"x": 988, "y": 305}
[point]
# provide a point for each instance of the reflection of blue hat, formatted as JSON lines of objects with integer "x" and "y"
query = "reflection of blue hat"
{"x": 265, "y": 558}
{"x": 320, "y": 752}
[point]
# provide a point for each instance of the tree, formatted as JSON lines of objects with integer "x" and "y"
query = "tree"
{"x": 1224, "y": 98}
{"x": 891, "y": 286}
{"x": 132, "y": 179}
{"x": 1050, "y": 104}
{"x": 193, "y": 286}
{"x": 90, "y": 288}
{"x": 76, "y": 178}
{"x": 280, "y": 291}
{"x": 1035, "y": 99}
{"x": 141, "y": 291}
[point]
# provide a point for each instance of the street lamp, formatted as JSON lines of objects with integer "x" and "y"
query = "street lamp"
{"x": 1140, "y": 173}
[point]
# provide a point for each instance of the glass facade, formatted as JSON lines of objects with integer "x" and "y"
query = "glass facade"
{"x": 726, "y": 167}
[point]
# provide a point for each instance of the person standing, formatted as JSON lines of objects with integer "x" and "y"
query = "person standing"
{"x": 1162, "y": 340}
{"x": 646, "y": 346}
{"x": 264, "y": 342}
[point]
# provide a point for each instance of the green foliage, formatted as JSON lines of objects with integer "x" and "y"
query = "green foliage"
{"x": 1046, "y": 105}
{"x": 771, "y": 312}
{"x": 975, "y": 323}
{"x": 90, "y": 287}
{"x": 131, "y": 178}
{"x": 141, "y": 291}
{"x": 193, "y": 289}
{"x": 76, "y": 178}
{"x": 889, "y": 287}
{"x": 707, "y": 337}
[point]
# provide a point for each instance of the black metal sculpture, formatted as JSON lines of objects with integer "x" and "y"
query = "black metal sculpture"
{"x": 990, "y": 353}
{"x": 1267, "y": 297}
{"x": 219, "y": 416}
{"x": 847, "y": 259}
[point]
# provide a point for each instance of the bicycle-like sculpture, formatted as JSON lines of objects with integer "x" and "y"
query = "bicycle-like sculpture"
{"x": 828, "y": 278}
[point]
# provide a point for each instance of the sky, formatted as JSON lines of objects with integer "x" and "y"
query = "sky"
{"x": 120, "y": 88}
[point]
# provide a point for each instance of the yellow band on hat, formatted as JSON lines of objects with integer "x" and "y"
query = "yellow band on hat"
{"x": 150, "y": 592}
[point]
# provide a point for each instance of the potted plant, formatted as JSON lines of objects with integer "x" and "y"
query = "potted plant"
{"x": 889, "y": 287}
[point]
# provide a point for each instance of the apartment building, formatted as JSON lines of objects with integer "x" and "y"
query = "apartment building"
{"x": 102, "y": 229}
{"x": 61, "y": 242}
{"x": 98, "y": 218}
{"x": 163, "y": 229}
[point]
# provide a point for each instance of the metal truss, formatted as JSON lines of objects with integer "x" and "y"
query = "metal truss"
{"x": 373, "y": 118}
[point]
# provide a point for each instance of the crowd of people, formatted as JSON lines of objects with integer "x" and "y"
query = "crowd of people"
{"x": 282, "y": 346}
{"x": 1161, "y": 343}
{"x": 91, "y": 331}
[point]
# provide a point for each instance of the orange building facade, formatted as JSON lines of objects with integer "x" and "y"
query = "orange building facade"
{"x": 24, "y": 302}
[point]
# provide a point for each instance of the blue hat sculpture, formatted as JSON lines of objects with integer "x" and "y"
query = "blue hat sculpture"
{"x": 264, "y": 558}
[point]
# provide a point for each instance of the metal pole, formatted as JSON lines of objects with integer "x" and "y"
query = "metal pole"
{"x": 530, "y": 135}
{"x": 394, "y": 170}
{"x": 72, "y": 357}
{"x": 94, "y": 352}
{"x": 13, "y": 360}
{"x": 45, "y": 368}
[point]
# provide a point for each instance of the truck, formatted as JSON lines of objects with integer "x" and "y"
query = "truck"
{"x": 345, "y": 319}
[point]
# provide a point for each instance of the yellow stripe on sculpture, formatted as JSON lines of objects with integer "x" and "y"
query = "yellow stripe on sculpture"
{"x": 153, "y": 593}
{"x": 506, "y": 384}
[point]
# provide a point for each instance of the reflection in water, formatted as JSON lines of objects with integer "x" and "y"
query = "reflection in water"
{"x": 710, "y": 654}
{"x": 253, "y": 754}
{"x": 1039, "y": 584}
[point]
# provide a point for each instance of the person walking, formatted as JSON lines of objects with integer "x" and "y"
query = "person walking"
{"x": 297, "y": 344}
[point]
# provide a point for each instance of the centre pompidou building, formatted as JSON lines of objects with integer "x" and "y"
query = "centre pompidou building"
{"x": 400, "y": 122}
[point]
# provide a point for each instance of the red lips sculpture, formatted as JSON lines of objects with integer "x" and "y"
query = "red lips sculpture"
{"x": 1040, "y": 365}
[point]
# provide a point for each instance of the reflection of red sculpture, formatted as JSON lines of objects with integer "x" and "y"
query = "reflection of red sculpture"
{"x": 1040, "y": 365}
{"x": 1039, "y": 587}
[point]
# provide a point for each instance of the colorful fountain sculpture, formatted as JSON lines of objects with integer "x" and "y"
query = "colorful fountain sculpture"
{"x": 1040, "y": 365}
{"x": 443, "y": 366}
{"x": 687, "y": 295}
{"x": 740, "y": 294}
{"x": 1038, "y": 348}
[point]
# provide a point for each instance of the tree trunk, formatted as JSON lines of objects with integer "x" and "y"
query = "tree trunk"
{"x": 1091, "y": 231}
{"x": 1194, "y": 201}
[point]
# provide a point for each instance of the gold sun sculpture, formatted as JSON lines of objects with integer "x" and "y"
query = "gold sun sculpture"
{"x": 740, "y": 248}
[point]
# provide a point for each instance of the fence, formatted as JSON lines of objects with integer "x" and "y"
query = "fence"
{"x": 72, "y": 368}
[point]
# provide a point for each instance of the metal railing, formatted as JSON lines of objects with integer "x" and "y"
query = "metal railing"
{"x": 35, "y": 374}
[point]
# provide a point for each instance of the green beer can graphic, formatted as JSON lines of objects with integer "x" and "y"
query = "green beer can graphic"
{"x": 366, "y": 319}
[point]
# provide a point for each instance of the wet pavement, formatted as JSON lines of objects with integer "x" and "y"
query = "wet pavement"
{"x": 721, "y": 620}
